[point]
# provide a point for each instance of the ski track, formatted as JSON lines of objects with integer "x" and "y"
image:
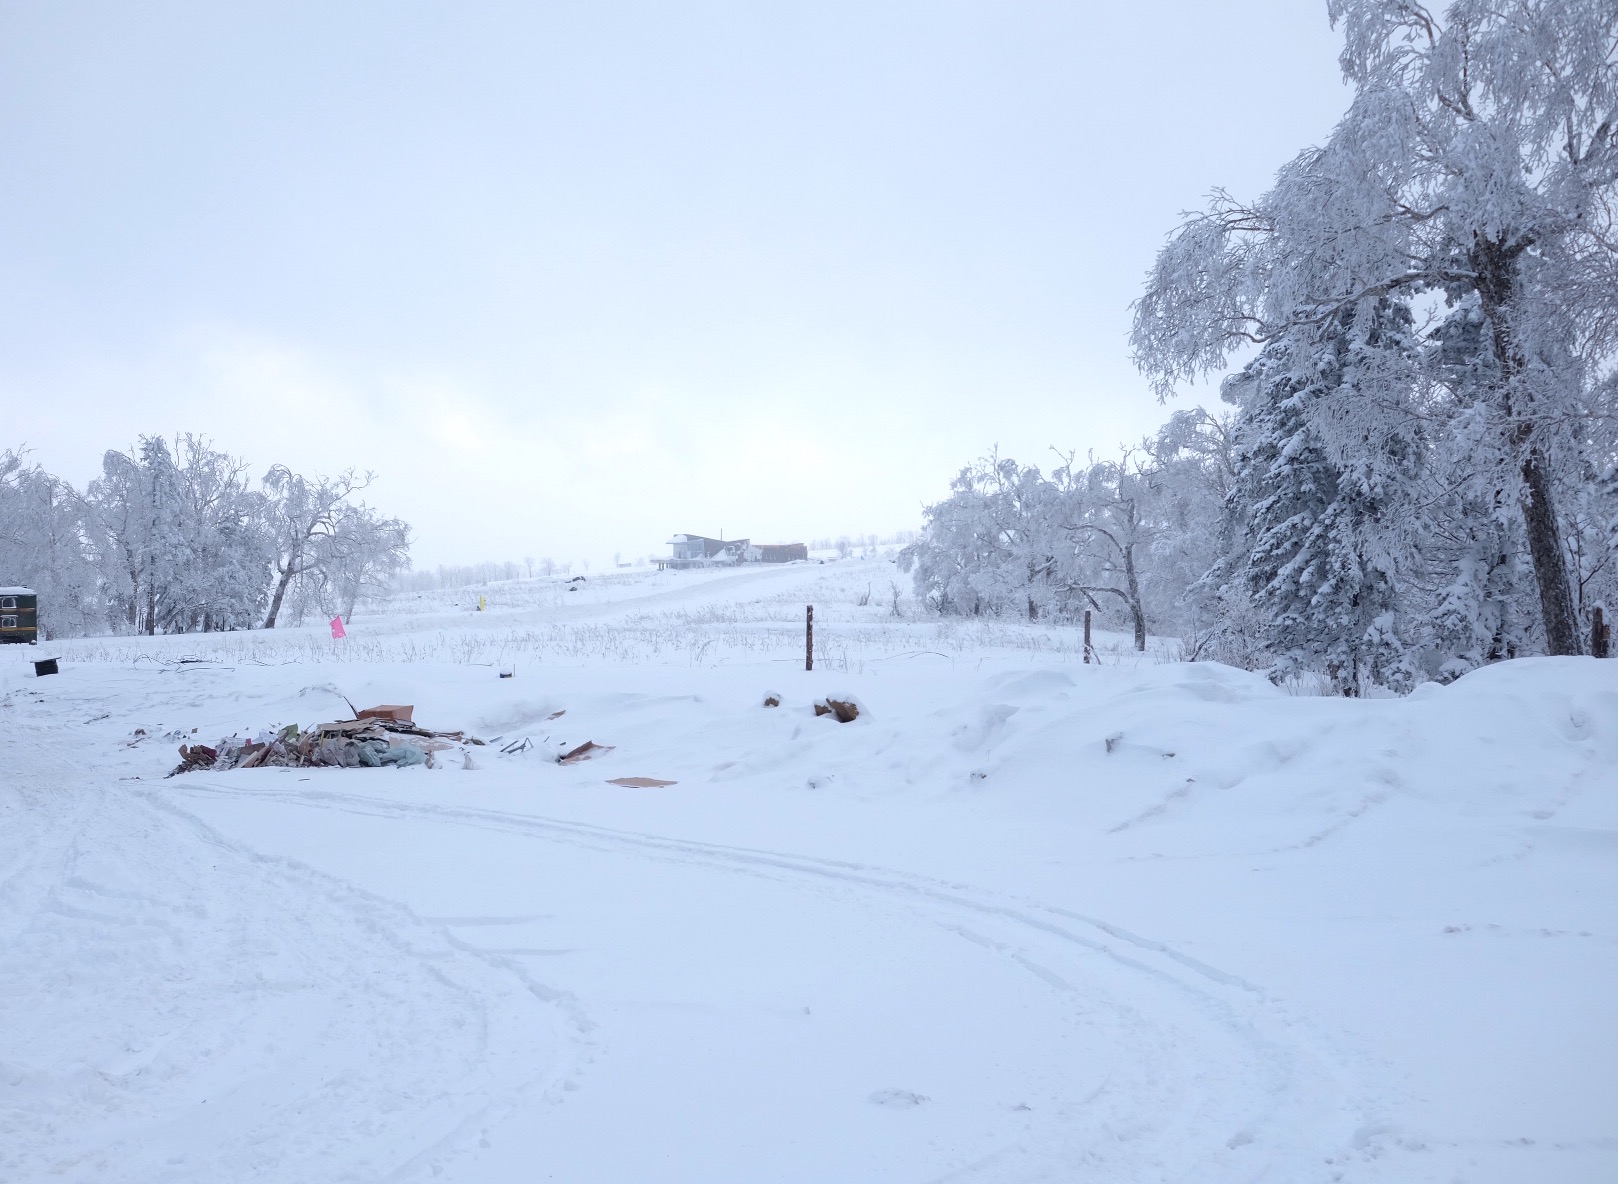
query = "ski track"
{"x": 1222, "y": 1082}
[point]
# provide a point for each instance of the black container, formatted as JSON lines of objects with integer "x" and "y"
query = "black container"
{"x": 48, "y": 666}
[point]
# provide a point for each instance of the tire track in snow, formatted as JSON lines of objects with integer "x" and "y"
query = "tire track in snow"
{"x": 1222, "y": 1083}
{"x": 180, "y": 1008}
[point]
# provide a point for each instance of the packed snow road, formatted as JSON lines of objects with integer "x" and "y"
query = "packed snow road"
{"x": 1019, "y": 921}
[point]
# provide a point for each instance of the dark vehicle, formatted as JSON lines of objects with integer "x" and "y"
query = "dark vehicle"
{"x": 19, "y": 615}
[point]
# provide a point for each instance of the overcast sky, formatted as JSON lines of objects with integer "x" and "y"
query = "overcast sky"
{"x": 573, "y": 277}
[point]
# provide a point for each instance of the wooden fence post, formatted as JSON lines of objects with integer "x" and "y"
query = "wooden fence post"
{"x": 1086, "y": 636}
{"x": 809, "y": 638}
{"x": 1600, "y": 634}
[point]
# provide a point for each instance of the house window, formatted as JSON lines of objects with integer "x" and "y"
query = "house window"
{"x": 8, "y": 622}
{"x": 8, "y": 602}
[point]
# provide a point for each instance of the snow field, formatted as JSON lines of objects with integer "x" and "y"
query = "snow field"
{"x": 183, "y": 1008}
{"x": 692, "y": 618}
{"x": 1024, "y": 919}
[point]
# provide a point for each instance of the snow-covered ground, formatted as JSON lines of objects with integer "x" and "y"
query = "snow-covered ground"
{"x": 1024, "y": 919}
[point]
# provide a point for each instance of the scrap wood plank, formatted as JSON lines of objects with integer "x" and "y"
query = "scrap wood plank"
{"x": 342, "y": 727}
{"x": 582, "y": 753}
{"x": 639, "y": 782}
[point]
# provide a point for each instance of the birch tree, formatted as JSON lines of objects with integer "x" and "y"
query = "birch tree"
{"x": 1477, "y": 162}
{"x": 1111, "y": 522}
{"x": 303, "y": 516}
{"x": 364, "y": 553}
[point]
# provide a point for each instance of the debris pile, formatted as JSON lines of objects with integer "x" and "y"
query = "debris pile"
{"x": 376, "y": 737}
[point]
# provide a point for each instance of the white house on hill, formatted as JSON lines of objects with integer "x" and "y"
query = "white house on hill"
{"x": 695, "y": 550}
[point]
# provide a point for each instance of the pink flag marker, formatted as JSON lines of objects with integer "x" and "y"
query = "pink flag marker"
{"x": 337, "y": 629}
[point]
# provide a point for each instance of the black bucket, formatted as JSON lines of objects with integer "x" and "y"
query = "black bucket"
{"x": 48, "y": 666}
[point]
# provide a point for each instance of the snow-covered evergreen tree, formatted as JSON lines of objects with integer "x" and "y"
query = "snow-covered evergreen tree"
{"x": 1329, "y": 462}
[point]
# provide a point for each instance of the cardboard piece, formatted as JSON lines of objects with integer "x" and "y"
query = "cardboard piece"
{"x": 395, "y": 711}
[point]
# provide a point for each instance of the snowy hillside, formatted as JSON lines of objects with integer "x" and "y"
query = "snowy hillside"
{"x": 1023, "y": 919}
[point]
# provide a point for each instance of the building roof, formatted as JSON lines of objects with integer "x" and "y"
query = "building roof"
{"x": 18, "y": 592}
{"x": 702, "y": 538}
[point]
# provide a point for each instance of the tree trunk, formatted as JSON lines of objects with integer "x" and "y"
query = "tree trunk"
{"x": 134, "y": 589}
{"x": 1136, "y": 609}
{"x": 1495, "y": 264}
{"x": 280, "y": 595}
{"x": 1550, "y": 565}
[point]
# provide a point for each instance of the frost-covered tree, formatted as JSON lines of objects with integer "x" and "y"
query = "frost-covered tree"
{"x": 362, "y": 556}
{"x": 1328, "y": 472}
{"x": 181, "y": 544}
{"x": 1477, "y": 162}
{"x": 1198, "y": 457}
{"x": 303, "y": 516}
{"x": 993, "y": 546}
{"x": 1109, "y": 515}
{"x": 1474, "y": 597}
{"x": 1118, "y": 537}
{"x": 225, "y": 581}
{"x": 43, "y": 545}
{"x": 138, "y": 518}
{"x": 175, "y": 539}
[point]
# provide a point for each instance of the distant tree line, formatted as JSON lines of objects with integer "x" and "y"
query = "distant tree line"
{"x": 1416, "y": 474}
{"x": 849, "y": 545}
{"x": 470, "y": 575}
{"x": 178, "y": 538}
